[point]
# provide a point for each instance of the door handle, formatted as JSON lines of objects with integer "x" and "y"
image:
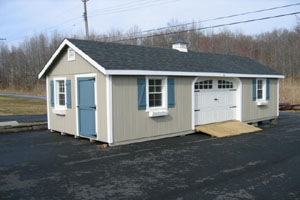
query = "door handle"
{"x": 94, "y": 107}
{"x": 216, "y": 99}
{"x": 197, "y": 110}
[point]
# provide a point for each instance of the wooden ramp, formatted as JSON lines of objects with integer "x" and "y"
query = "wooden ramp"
{"x": 226, "y": 129}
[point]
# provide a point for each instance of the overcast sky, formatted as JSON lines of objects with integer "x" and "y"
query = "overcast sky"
{"x": 20, "y": 19}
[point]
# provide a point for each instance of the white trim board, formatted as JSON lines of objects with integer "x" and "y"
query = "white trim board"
{"x": 56, "y": 93}
{"x": 179, "y": 73}
{"x": 109, "y": 109}
{"x": 164, "y": 106}
{"x": 278, "y": 96}
{"x": 193, "y": 103}
{"x": 48, "y": 104}
{"x": 77, "y": 50}
{"x": 239, "y": 113}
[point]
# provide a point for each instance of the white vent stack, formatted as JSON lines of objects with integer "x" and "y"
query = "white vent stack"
{"x": 180, "y": 45}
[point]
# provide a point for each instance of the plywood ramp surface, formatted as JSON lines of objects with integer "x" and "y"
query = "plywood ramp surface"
{"x": 226, "y": 129}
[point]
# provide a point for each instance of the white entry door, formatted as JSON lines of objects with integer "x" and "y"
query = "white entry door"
{"x": 215, "y": 100}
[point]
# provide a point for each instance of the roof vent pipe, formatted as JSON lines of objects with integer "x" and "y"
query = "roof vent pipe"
{"x": 180, "y": 45}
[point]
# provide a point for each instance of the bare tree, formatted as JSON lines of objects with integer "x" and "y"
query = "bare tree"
{"x": 279, "y": 49}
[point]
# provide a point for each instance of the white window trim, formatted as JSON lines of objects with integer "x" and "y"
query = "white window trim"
{"x": 57, "y": 108}
{"x": 71, "y": 58}
{"x": 162, "y": 110}
{"x": 263, "y": 100}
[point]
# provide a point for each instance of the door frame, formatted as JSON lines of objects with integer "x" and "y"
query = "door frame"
{"x": 90, "y": 75}
{"x": 239, "y": 97}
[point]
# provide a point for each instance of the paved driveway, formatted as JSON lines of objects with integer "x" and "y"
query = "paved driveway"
{"x": 24, "y": 118}
{"x": 43, "y": 165}
{"x": 23, "y": 96}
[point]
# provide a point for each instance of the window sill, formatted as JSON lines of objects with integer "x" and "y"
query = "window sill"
{"x": 262, "y": 103}
{"x": 59, "y": 111}
{"x": 158, "y": 113}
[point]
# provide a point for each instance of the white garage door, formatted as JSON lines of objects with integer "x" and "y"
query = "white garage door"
{"x": 215, "y": 100}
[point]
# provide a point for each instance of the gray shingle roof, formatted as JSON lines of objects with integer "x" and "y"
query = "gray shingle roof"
{"x": 114, "y": 56}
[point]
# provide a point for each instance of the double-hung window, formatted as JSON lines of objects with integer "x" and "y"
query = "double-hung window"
{"x": 60, "y": 93}
{"x": 261, "y": 89}
{"x": 155, "y": 93}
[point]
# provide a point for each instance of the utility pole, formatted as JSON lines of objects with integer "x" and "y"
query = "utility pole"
{"x": 85, "y": 19}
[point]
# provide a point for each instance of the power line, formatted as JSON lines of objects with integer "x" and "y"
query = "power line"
{"x": 208, "y": 27}
{"x": 132, "y": 8}
{"x": 117, "y": 6}
{"x": 135, "y": 7}
{"x": 162, "y": 28}
{"x": 112, "y": 11}
{"x": 212, "y": 19}
{"x": 218, "y": 18}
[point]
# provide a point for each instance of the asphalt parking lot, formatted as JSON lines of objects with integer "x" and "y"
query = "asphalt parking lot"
{"x": 24, "y": 118}
{"x": 264, "y": 165}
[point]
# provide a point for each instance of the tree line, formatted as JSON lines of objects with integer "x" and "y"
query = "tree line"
{"x": 278, "y": 49}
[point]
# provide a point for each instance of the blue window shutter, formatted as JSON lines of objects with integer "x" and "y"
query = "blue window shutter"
{"x": 171, "y": 98}
{"x": 268, "y": 89}
{"x": 52, "y": 92}
{"x": 141, "y": 93}
{"x": 254, "y": 89}
{"x": 69, "y": 98}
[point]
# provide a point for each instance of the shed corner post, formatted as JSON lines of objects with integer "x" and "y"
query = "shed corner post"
{"x": 109, "y": 109}
{"x": 47, "y": 101}
{"x": 193, "y": 103}
{"x": 240, "y": 100}
{"x": 278, "y": 95}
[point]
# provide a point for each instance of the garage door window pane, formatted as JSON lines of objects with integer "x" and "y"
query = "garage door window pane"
{"x": 207, "y": 84}
{"x": 222, "y": 84}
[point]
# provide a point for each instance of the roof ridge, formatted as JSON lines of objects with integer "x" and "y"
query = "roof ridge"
{"x": 140, "y": 57}
{"x": 97, "y": 41}
{"x": 155, "y": 47}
